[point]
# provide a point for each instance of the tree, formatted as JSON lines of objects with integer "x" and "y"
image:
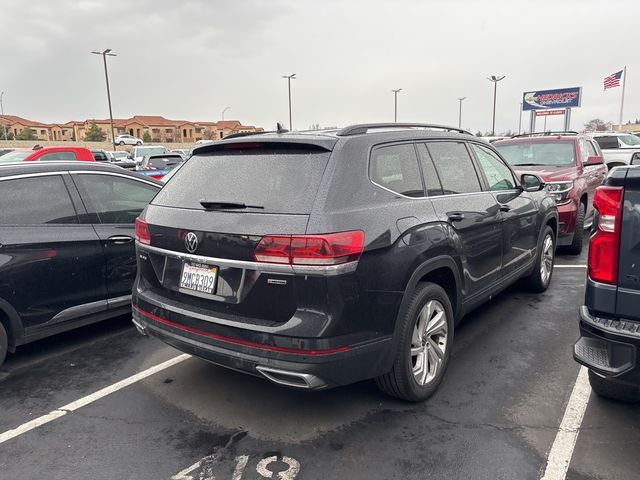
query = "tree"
{"x": 94, "y": 134}
{"x": 6, "y": 130}
{"x": 478, "y": 133}
{"x": 27, "y": 133}
{"x": 146, "y": 137}
{"x": 596, "y": 125}
{"x": 208, "y": 134}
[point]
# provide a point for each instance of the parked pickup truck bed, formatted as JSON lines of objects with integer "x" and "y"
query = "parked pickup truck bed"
{"x": 609, "y": 343}
{"x": 618, "y": 149}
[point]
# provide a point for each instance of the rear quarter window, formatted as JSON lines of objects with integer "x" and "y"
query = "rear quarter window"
{"x": 395, "y": 168}
{"x": 278, "y": 179}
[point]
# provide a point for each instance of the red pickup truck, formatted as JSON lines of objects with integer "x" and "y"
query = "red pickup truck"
{"x": 48, "y": 154}
{"x": 571, "y": 165}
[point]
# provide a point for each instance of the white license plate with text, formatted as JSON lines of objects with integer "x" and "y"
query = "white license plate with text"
{"x": 199, "y": 277}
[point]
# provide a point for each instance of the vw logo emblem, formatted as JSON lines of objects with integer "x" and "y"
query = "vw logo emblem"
{"x": 191, "y": 242}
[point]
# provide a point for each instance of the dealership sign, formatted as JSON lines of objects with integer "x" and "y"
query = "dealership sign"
{"x": 546, "y": 113}
{"x": 546, "y": 99}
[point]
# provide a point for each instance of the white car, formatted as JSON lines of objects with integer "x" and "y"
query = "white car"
{"x": 618, "y": 148}
{"x": 138, "y": 152}
{"x": 128, "y": 140}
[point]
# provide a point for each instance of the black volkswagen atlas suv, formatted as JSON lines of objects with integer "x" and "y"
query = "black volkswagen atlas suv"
{"x": 317, "y": 259}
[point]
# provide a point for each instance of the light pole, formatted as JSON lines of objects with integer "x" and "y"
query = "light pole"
{"x": 460, "y": 99}
{"x": 2, "y": 113}
{"x": 225, "y": 109}
{"x": 520, "y": 119}
{"x": 104, "y": 54}
{"x": 495, "y": 80}
{"x": 289, "y": 78}
{"x": 395, "y": 104}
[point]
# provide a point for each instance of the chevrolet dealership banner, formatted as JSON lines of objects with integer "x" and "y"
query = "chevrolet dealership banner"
{"x": 558, "y": 98}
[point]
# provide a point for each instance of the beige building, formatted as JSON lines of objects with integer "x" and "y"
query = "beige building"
{"x": 161, "y": 130}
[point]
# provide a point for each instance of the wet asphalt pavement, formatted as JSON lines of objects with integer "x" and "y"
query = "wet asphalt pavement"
{"x": 495, "y": 416}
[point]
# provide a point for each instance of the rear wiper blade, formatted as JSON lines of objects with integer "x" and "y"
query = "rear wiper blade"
{"x": 210, "y": 205}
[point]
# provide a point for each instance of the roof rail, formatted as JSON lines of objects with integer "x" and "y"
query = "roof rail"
{"x": 546, "y": 134}
{"x": 362, "y": 128}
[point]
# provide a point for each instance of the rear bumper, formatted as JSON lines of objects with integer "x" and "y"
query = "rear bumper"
{"x": 276, "y": 359}
{"x": 609, "y": 347}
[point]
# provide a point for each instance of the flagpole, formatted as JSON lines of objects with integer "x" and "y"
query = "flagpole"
{"x": 624, "y": 84}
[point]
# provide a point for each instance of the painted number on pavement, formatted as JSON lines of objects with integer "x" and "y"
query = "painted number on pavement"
{"x": 203, "y": 469}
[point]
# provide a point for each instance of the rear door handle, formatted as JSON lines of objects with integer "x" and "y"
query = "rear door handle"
{"x": 455, "y": 216}
{"x": 505, "y": 208}
{"x": 120, "y": 239}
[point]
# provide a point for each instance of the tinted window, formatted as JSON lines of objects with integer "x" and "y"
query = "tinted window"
{"x": 607, "y": 142}
{"x": 396, "y": 168}
{"x": 429, "y": 173}
{"x": 99, "y": 156}
{"x": 160, "y": 163}
{"x": 531, "y": 153}
{"x": 455, "y": 167}
{"x": 114, "y": 199}
{"x": 37, "y": 200}
{"x": 498, "y": 175}
{"x": 57, "y": 156}
{"x": 282, "y": 180}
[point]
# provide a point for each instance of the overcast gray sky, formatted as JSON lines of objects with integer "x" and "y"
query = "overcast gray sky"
{"x": 190, "y": 59}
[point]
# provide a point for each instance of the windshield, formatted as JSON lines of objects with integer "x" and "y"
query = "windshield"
{"x": 538, "y": 153}
{"x": 280, "y": 180}
{"x": 119, "y": 154}
{"x": 142, "y": 151}
{"x": 630, "y": 140}
{"x": 15, "y": 156}
{"x": 161, "y": 163}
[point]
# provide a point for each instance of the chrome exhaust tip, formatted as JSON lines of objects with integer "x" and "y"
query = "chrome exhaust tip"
{"x": 142, "y": 330}
{"x": 305, "y": 381}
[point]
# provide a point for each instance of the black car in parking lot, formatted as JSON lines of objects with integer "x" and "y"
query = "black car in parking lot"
{"x": 609, "y": 342}
{"x": 67, "y": 254}
{"x": 321, "y": 259}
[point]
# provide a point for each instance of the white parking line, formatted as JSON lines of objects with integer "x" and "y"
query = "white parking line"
{"x": 70, "y": 407}
{"x": 565, "y": 441}
{"x": 569, "y": 266}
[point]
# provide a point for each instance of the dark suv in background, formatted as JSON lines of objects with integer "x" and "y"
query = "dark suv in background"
{"x": 609, "y": 342}
{"x": 67, "y": 254}
{"x": 321, "y": 259}
{"x": 571, "y": 165}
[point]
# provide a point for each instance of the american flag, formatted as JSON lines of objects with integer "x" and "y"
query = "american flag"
{"x": 612, "y": 80}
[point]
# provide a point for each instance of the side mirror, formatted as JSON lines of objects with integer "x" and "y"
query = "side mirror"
{"x": 593, "y": 160}
{"x": 635, "y": 159}
{"x": 531, "y": 183}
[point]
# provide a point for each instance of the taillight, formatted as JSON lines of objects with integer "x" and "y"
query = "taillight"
{"x": 604, "y": 246}
{"x": 142, "y": 232}
{"x": 328, "y": 249}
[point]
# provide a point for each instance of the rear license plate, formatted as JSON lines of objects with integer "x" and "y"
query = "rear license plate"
{"x": 199, "y": 277}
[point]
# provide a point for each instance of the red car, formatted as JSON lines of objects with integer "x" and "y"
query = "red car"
{"x": 48, "y": 154}
{"x": 571, "y": 165}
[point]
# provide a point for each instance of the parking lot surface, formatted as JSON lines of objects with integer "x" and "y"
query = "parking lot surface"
{"x": 496, "y": 416}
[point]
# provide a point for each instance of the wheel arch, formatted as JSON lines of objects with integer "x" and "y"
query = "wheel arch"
{"x": 12, "y": 323}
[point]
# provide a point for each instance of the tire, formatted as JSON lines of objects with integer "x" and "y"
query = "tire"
{"x": 578, "y": 235}
{"x": 540, "y": 278}
{"x": 608, "y": 388}
{"x": 4, "y": 343}
{"x": 121, "y": 143}
{"x": 138, "y": 143}
{"x": 416, "y": 377}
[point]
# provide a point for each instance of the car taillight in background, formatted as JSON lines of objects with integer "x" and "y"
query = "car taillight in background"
{"x": 604, "y": 246}
{"x": 327, "y": 249}
{"x": 142, "y": 232}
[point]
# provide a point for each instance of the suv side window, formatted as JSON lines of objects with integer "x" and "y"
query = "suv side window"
{"x": 36, "y": 201}
{"x": 584, "y": 149}
{"x": 591, "y": 148}
{"x": 57, "y": 156}
{"x": 455, "y": 167}
{"x": 396, "y": 168}
{"x": 607, "y": 142}
{"x": 114, "y": 199}
{"x": 498, "y": 175}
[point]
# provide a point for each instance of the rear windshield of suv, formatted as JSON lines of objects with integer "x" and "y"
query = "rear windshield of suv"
{"x": 281, "y": 180}
{"x": 538, "y": 153}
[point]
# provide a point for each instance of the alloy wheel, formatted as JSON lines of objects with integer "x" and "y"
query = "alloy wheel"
{"x": 429, "y": 342}
{"x": 546, "y": 259}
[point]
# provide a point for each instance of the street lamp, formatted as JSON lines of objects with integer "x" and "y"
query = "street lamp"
{"x": 225, "y": 109}
{"x": 495, "y": 81}
{"x": 460, "y": 99}
{"x": 395, "y": 104}
{"x": 104, "y": 54}
{"x": 289, "y": 78}
{"x": 2, "y": 113}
